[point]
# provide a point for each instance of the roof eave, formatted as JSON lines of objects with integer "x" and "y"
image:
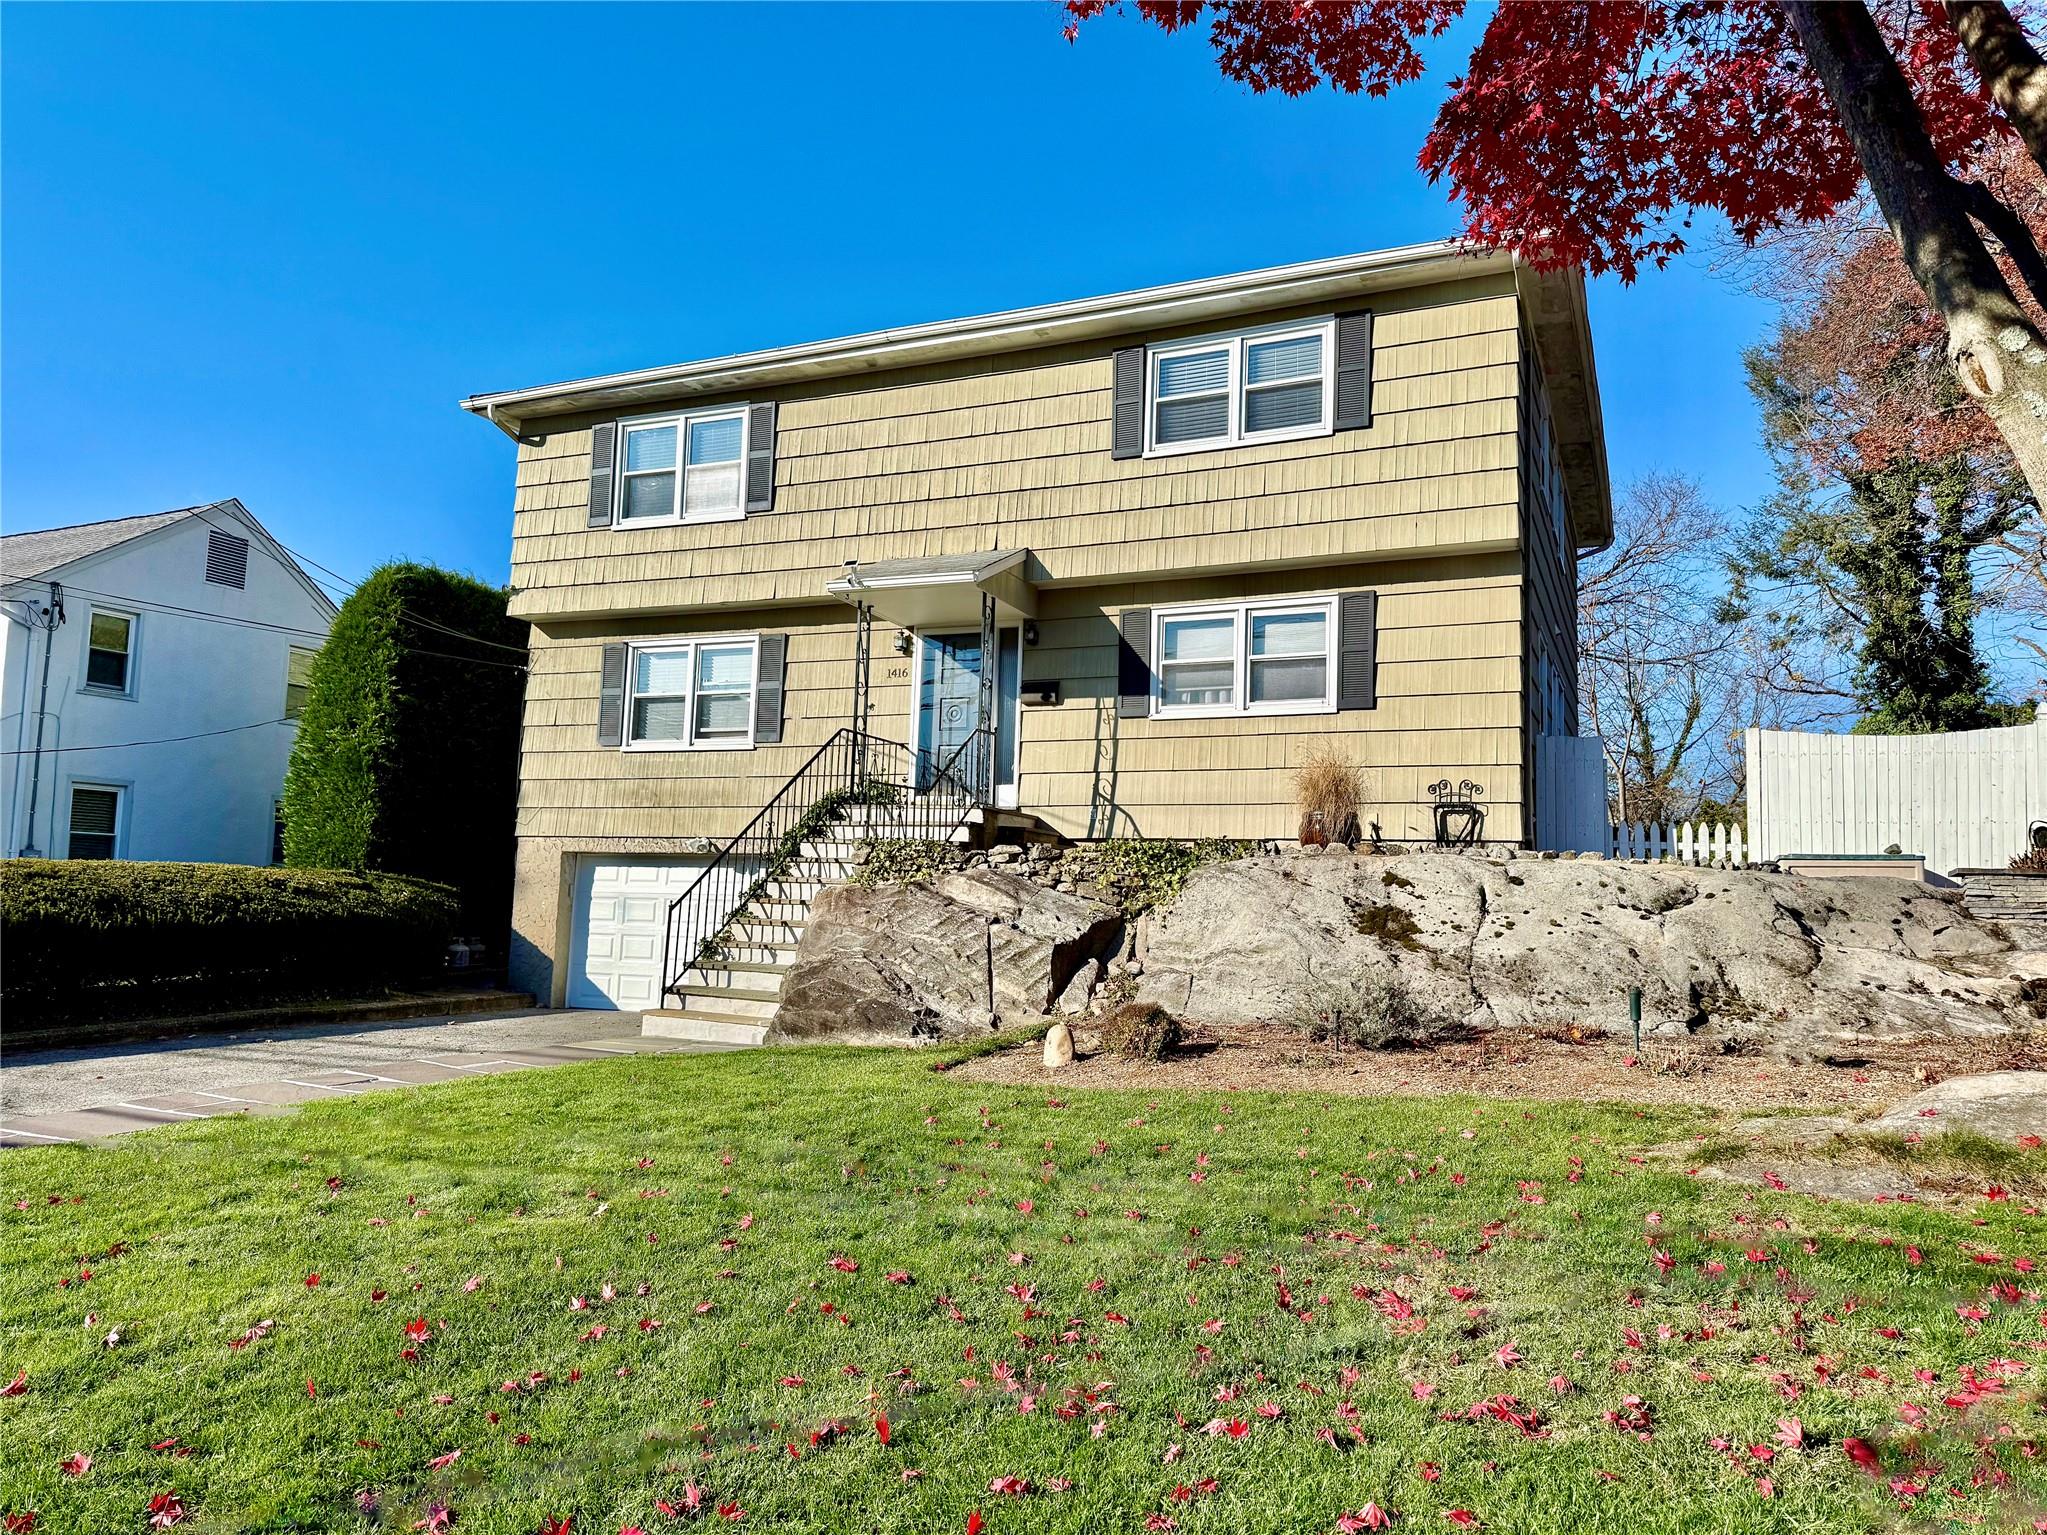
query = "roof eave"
{"x": 1009, "y": 330}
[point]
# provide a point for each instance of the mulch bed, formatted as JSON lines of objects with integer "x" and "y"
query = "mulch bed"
{"x": 1270, "y": 1058}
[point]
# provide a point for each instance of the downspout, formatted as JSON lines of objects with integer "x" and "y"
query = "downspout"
{"x": 55, "y": 615}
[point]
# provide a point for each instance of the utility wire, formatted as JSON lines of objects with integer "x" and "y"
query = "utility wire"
{"x": 318, "y": 634}
{"x": 347, "y": 587}
{"x": 114, "y": 746}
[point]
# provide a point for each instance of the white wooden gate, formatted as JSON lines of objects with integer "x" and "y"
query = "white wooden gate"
{"x": 1961, "y": 800}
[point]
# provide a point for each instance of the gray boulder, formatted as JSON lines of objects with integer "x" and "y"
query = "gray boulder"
{"x": 1804, "y": 966}
{"x": 912, "y": 962}
{"x": 2002, "y": 1105}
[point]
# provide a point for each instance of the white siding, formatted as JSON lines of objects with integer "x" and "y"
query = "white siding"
{"x": 207, "y": 800}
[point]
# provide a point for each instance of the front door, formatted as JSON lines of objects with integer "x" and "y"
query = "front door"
{"x": 949, "y": 703}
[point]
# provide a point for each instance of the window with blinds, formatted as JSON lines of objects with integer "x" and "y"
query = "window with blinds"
{"x": 95, "y": 820}
{"x": 227, "y": 560}
{"x": 298, "y": 680}
{"x": 692, "y": 694}
{"x": 1245, "y": 658}
{"x": 686, "y": 468}
{"x": 1259, "y": 386}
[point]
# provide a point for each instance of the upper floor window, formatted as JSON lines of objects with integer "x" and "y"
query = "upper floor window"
{"x": 298, "y": 680}
{"x": 110, "y": 652}
{"x": 683, "y": 468}
{"x": 1245, "y": 658}
{"x": 1266, "y": 385}
{"x": 691, "y": 694}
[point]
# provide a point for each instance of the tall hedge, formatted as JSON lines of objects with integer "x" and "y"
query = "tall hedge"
{"x": 91, "y": 941}
{"x": 408, "y": 749}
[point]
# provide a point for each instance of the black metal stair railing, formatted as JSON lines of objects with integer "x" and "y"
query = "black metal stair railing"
{"x": 883, "y": 789}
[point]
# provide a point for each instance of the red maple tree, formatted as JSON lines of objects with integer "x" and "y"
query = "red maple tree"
{"x": 1588, "y": 135}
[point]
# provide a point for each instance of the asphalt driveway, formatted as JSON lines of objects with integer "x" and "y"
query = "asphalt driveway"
{"x": 48, "y": 1096}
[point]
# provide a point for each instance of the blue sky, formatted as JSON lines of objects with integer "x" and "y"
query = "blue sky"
{"x": 262, "y": 251}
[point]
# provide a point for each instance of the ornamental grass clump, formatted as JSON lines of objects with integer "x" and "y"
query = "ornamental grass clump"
{"x": 1328, "y": 789}
{"x": 1141, "y": 1031}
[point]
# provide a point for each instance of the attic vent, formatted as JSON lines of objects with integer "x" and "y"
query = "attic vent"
{"x": 227, "y": 560}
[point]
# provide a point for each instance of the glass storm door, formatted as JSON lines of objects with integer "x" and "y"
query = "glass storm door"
{"x": 949, "y": 704}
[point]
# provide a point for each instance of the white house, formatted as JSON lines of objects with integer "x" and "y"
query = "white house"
{"x": 151, "y": 673}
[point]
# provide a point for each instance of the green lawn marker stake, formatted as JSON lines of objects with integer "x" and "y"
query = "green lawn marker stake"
{"x": 1635, "y": 1015}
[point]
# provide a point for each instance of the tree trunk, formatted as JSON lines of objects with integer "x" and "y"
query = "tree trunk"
{"x": 2011, "y": 67}
{"x": 1997, "y": 353}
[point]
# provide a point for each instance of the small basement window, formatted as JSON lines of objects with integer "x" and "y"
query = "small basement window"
{"x": 227, "y": 560}
{"x": 1245, "y": 658}
{"x": 95, "y": 820}
{"x": 686, "y": 468}
{"x": 693, "y": 694}
{"x": 1267, "y": 385}
{"x": 109, "y": 651}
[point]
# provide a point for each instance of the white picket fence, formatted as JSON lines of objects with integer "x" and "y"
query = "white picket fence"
{"x": 1719, "y": 846}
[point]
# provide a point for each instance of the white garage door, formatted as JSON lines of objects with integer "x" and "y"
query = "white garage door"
{"x": 621, "y": 909}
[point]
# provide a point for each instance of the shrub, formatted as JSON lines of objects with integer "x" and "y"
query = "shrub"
{"x": 92, "y": 942}
{"x": 1141, "y": 872}
{"x": 2032, "y": 861}
{"x": 1328, "y": 788}
{"x": 887, "y": 862}
{"x": 408, "y": 751}
{"x": 1374, "y": 1012}
{"x": 1143, "y": 1031}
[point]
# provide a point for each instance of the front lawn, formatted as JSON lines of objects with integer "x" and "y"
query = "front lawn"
{"x": 607, "y": 1293}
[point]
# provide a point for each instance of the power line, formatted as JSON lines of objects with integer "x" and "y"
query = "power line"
{"x": 347, "y": 587}
{"x": 114, "y": 746}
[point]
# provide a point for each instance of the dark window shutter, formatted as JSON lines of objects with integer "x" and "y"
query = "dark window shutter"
{"x": 767, "y": 696}
{"x": 602, "y": 436}
{"x": 1357, "y": 644}
{"x": 1353, "y": 370}
{"x": 760, "y": 457}
{"x": 1128, "y": 438}
{"x": 1133, "y": 664}
{"x": 611, "y": 698}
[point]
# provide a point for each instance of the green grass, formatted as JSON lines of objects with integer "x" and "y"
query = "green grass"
{"x": 546, "y": 1186}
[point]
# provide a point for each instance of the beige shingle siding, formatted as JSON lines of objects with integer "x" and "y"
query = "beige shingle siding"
{"x": 1450, "y": 705}
{"x": 1014, "y": 451}
{"x": 1425, "y": 507}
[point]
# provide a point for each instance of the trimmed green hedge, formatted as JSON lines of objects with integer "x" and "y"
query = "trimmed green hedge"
{"x": 94, "y": 942}
{"x": 407, "y": 756}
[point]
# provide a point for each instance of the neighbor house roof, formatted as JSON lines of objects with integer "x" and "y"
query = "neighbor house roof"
{"x": 24, "y": 556}
{"x": 1554, "y": 301}
{"x": 49, "y": 551}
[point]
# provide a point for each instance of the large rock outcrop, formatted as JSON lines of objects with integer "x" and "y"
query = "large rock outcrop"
{"x": 1803, "y": 966}
{"x": 898, "y": 963}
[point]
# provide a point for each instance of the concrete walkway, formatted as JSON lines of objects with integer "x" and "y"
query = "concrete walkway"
{"x": 52, "y": 1096}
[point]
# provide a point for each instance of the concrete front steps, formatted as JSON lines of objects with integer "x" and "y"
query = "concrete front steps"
{"x": 732, "y": 1000}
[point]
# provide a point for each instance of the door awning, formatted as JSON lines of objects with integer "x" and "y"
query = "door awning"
{"x": 941, "y": 590}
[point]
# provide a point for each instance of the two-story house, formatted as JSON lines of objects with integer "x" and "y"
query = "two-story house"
{"x": 151, "y": 673}
{"x": 1106, "y": 568}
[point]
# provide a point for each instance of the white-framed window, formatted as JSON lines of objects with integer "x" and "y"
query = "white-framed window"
{"x": 691, "y": 694}
{"x": 1276, "y": 657}
{"x": 96, "y": 818}
{"x": 1268, "y": 385}
{"x": 110, "y": 652}
{"x": 298, "y": 679}
{"x": 682, "y": 468}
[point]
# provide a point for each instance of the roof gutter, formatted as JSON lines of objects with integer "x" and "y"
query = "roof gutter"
{"x": 1006, "y": 330}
